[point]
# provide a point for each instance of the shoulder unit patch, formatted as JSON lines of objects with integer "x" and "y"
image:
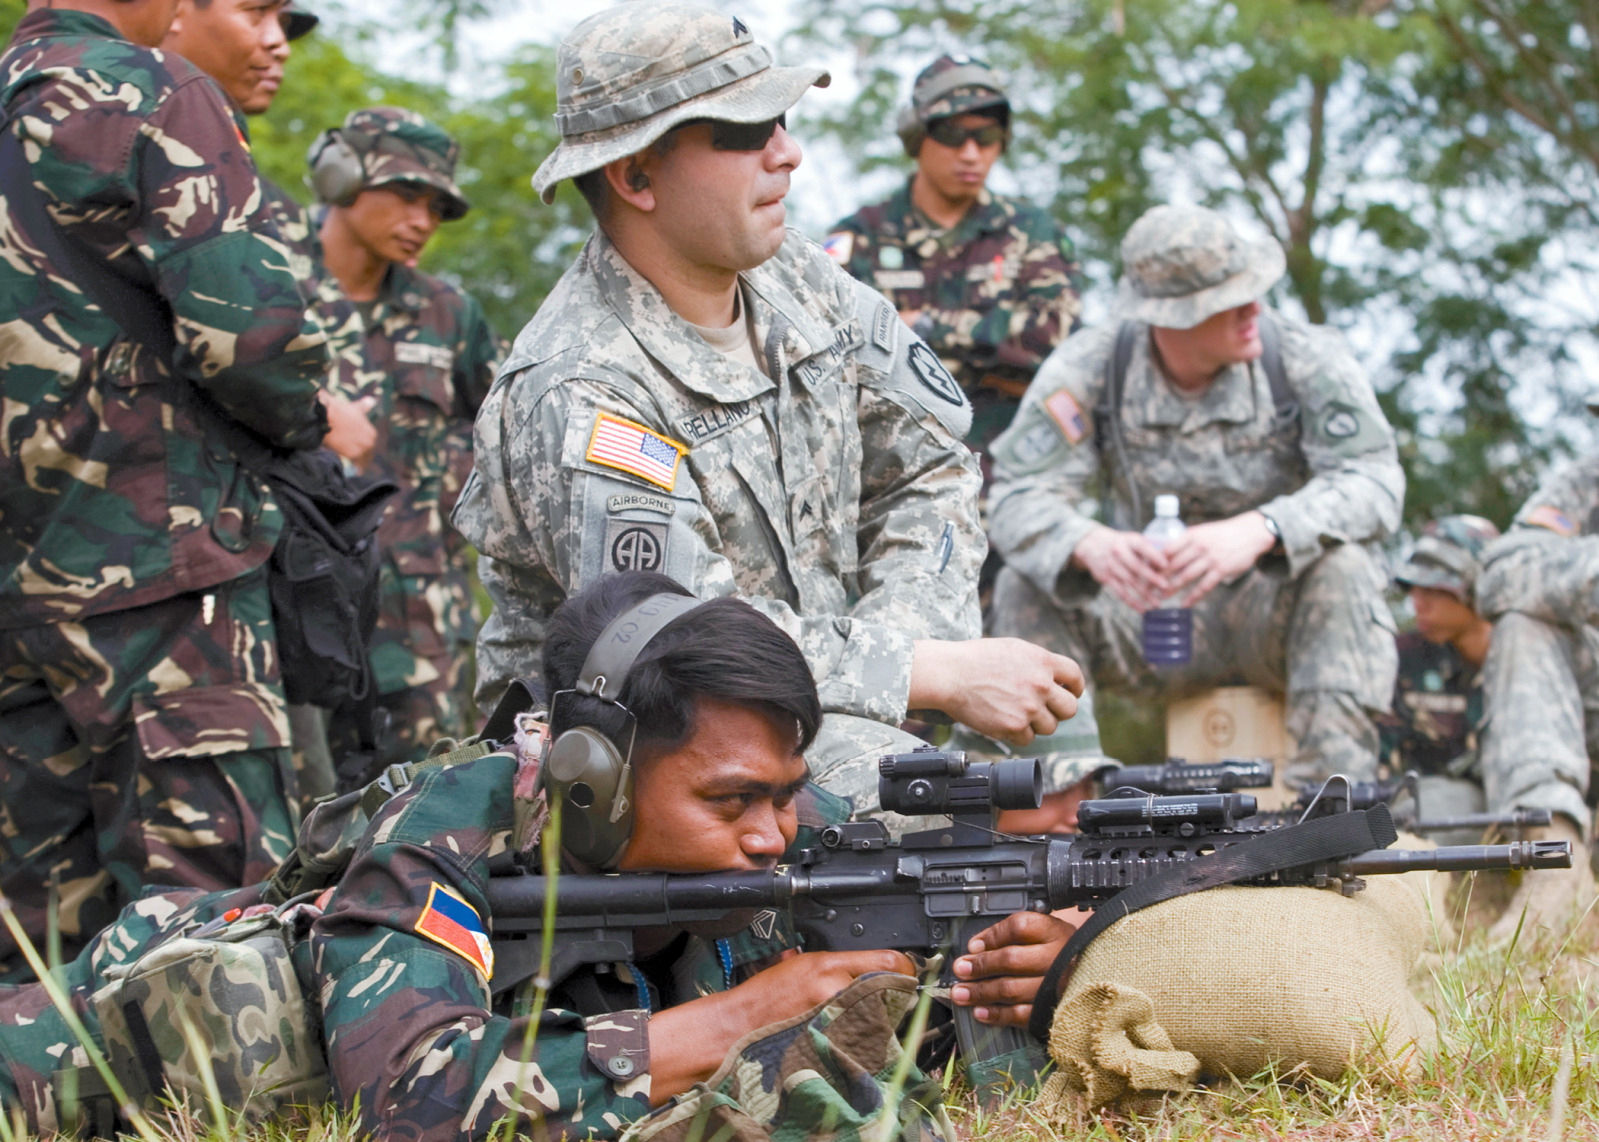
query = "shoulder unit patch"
{"x": 452, "y": 922}
{"x": 634, "y": 449}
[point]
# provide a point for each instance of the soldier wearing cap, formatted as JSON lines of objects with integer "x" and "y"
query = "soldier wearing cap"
{"x": 416, "y": 355}
{"x": 707, "y": 394}
{"x": 1438, "y": 710}
{"x": 1539, "y": 586}
{"x": 1270, "y": 436}
{"x": 991, "y": 283}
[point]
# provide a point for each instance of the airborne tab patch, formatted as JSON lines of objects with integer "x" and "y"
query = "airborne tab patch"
{"x": 634, "y": 449}
{"x": 452, "y": 922}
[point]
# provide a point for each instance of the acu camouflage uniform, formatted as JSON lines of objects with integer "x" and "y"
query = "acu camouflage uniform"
{"x": 997, "y": 291}
{"x": 1540, "y": 585}
{"x": 415, "y": 1031}
{"x": 828, "y": 487}
{"x": 142, "y": 725}
{"x": 1313, "y": 619}
{"x": 425, "y": 351}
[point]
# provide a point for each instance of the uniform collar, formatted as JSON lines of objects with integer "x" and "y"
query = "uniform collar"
{"x": 1229, "y": 400}
{"x": 402, "y": 288}
{"x": 63, "y": 22}
{"x": 985, "y": 215}
{"x": 691, "y": 361}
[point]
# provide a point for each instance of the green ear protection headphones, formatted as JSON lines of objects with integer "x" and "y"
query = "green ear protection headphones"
{"x": 337, "y": 174}
{"x": 586, "y": 771}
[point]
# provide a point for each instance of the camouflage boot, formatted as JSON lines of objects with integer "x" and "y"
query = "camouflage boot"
{"x": 1551, "y": 898}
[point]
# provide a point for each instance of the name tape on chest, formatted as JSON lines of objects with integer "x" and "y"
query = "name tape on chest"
{"x": 701, "y": 426}
{"x": 634, "y": 449}
{"x": 899, "y": 279}
{"x": 450, "y": 921}
{"x": 416, "y": 353}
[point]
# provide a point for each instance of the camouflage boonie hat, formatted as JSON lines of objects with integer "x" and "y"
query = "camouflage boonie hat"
{"x": 296, "y": 20}
{"x": 630, "y": 74}
{"x": 955, "y": 85}
{"x": 1183, "y": 264}
{"x": 1448, "y": 555}
{"x": 397, "y": 145}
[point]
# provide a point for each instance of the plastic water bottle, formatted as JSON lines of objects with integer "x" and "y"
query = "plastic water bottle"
{"x": 1168, "y": 629}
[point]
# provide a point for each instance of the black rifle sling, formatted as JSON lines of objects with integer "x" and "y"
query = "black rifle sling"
{"x": 141, "y": 313}
{"x": 1108, "y": 413}
{"x": 1321, "y": 839}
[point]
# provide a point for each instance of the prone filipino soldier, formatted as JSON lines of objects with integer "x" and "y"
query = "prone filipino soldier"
{"x": 416, "y": 355}
{"x": 1270, "y": 436}
{"x": 1540, "y": 680}
{"x": 991, "y": 283}
{"x": 712, "y": 707}
{"x": 1438, "y": 710}
{"x": 706, "y": 393}
{"x": 142, "y": 729}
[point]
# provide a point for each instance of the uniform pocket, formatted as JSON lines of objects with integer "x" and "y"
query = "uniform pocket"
{"x": 208, "y": 720}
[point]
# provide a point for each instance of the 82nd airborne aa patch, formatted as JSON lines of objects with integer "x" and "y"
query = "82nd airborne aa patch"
{"x": 452, "y": 922}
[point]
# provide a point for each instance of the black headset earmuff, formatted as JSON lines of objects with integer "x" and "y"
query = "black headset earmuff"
{"x": 589, "y": 773}
{"x": 337, "y": 173}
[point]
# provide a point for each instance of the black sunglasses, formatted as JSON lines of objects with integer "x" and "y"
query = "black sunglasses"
{"x": 727, "y": 136}
{"x": 946, "y": 133}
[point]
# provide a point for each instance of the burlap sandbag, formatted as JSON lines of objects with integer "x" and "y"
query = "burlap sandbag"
{"x": 1234, "y": 980}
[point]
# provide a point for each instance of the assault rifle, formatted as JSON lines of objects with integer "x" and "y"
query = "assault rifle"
{"x": 1339, "y": 792}
{"x": 931, "y": 891}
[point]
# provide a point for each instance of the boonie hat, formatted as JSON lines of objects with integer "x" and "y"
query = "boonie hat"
{"x": 1183, "y": 264}
{"x": 296, "y": 20}
{"x": 1448, "y": 555}
{"x": 397, "y": 145}
{"x": 630, "y": 74}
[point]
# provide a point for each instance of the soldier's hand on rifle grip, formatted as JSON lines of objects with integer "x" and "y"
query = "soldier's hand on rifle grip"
{"x": 1125, "y": 564}
{"x": 998, "y": 977}
{"x": 1006, "y": 688}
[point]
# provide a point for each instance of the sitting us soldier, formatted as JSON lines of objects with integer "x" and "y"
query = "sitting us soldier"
{"x": 705, "y": 393}
{"x": 723, "y": 705}
{"x": 1438, "y": 708}
{"x": 1270, "y": 436}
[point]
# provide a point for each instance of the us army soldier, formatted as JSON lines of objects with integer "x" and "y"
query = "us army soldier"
{"x": 991, "y": 283}
{"x": 142, "y": 726}
{"x": 1541, "y": 678}
{"x": 1286, "y": 472}
{"x": 707, "y": 394}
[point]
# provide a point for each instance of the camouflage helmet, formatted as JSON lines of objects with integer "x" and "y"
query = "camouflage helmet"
{"x": 949, "y": 86}
{"x": 296, "y": 20}
{"x": 1183, "y": 264}
{"x": 1448, "y": 555}
{"x": 628, "y": 75}
{"x": 382, "y": 145}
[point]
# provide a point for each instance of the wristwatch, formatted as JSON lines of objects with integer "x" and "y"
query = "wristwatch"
{"x": 1276, "y": 532}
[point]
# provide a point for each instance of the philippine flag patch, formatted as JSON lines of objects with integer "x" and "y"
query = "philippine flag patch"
{"x": 632, "y": 448}
{"x": 839, "y": 246}
{"x": 451, "y": 921}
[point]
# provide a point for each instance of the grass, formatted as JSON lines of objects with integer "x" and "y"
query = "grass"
{"x": 1518, "y": 1059}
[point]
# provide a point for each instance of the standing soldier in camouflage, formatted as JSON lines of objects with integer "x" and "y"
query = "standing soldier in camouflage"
{"x": 1438, "y": 709}
{"x": 1540, "y": 587}
{"x": 1269, "y": 434}
{"x": 706, "y": 394}
{"x": 991, "y": 283}
{"x": 142, "y": 729}
{"x": 420, "y": 354}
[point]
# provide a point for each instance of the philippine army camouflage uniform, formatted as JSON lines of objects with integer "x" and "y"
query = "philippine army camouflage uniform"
{"x": 838, "y": 499}
{"x": 997, "y": 291}
{"x": 1311, "y": 620}
{"x": 142, "y": 725}
{"x": 426, "y": 353}
{"x": 1540, "y": 585}
{"x": 417, "y": 1035}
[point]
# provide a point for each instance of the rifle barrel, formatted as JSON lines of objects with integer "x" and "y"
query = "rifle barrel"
{"x": 1461, "y": 858}
{"x": 1516, "y": 819}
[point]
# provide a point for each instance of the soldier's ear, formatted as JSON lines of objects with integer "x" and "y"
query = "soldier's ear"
{"x": 630, "y": 182}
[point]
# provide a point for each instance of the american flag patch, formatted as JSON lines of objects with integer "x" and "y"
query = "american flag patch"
{"x": 451, "y": 921}
{"x": 839, "y": 246}
{"x": 1067, "y": 416}
{"x": 632, "y": 448}
{"x": 1552, "y": 518}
